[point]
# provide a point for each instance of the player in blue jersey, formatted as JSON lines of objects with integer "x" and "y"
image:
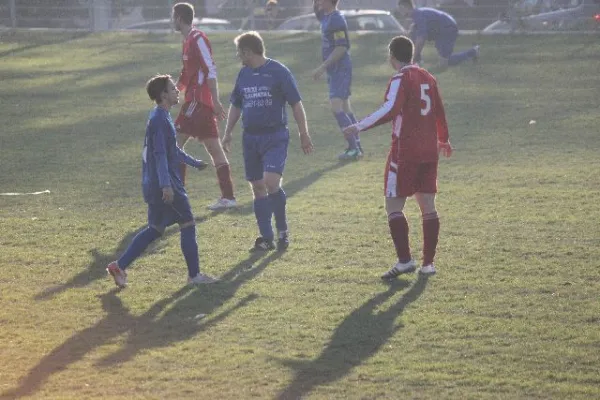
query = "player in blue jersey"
{"x": 263, "y": 88}
{"x": 335, "y": 49}
{"x": 162, "y": 186}
{"x": 429, "y": 24}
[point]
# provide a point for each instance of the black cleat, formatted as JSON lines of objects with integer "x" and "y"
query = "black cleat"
{"x": 262, "y": 244}
{"x": 283, "y": 243}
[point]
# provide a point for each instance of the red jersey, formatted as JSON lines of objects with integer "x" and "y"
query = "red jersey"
{"x": 413, "y": 104}
{"x": 198, "y": 66}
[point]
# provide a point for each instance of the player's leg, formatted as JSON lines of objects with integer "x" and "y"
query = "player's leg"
{"x": 445, "y": 46}
{"x": 253, "y": 165}
{"x": 138, "y": 245}
{"x": 425, "y": 197}
{"x": 189, "y": 245}
{"x": 398, "y": 186}
{"x": 339, "y": 90}
{"x": 184, "y": 126}
{"x": 219, "y": 159}
{"x": 347, "y": 107}
{"x": 274, "y": 159}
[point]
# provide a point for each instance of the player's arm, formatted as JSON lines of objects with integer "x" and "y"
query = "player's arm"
{"x": 300, "y": 117}
{"x": 233, "y": 116}
{"x": 418, "y": 34}
{"x": 162, "y": 165}
{"x": 390, "y": 109}
{"x": 444, "y": 145}
{"x": 191, "y": 161}
{"x": 211, "y": 78}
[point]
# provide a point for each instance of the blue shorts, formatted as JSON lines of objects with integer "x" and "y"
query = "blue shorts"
{"x": 339, "y": 82}
{"x": 444, "y": 43}
{"x": 161, "y": 215}
{"x": 265, "y": 153}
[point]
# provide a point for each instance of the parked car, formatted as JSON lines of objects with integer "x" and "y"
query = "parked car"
{"x": 204, "y": 24}
{"x": 564, "y": 15}
{"x": 357, "y": 20}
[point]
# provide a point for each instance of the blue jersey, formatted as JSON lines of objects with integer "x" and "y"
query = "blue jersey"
{"x": 334, "y": 32}
{"x": 432, "y": 24}
{"x": 262, "y": 93}
{"x": 161, "y": 157}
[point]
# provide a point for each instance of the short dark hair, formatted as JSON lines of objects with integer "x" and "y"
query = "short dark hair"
{"x": 185, "y": 11}
{"x": 402, "y": 49}
{"x": 334, "y": 2}
{"x": 406, "y": 3}
{"x": 156, "y": 86}
{"x": 251, "y": 41}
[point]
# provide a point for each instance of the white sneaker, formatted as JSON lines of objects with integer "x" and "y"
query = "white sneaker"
{"x": 223, "y": 204}
{"x": 400, "y": 268}
{"x": 118, "y": 274}
{"x": 427, "y": 269}
{"x": 201, "y": 279}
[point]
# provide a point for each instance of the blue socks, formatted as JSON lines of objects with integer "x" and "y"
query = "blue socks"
{"x": 263, "y": 213}
{"x": 137, "y": 246}
{"x": 343, "y": 121}
{"x": 189, "y": 248}
{"x": 357, "y": 137}
{"x": 457, "y": 58}
{"x": 278, "y": 201}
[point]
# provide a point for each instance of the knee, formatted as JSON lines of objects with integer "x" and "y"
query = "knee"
{"x": 259, "y": 190}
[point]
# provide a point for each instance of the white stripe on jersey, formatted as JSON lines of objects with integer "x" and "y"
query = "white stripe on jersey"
{"x": 208, "y": 60}
{"x": 390, "y": 99}
{"x": 191, "y": 108}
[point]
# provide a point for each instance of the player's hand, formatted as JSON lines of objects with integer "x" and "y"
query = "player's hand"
{"x": 318, "y": 73}
{"x": 201, "y": 165}
{"x": 351, "y": 130}
{"x": 226, "y": 142}
{"x": 445, "y": 149}
{"x": 306, "y": 143}
{"x": 168, "y": 195}
{"x": 219, "y": 110}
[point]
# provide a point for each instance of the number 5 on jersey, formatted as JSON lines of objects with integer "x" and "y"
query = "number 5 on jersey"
{"x": 425, "y": 97}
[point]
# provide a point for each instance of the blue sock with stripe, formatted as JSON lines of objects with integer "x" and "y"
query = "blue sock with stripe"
{"x": 263, "y": 213}
{"x": 344, "y": 121}
{"x": 278, "y": 201}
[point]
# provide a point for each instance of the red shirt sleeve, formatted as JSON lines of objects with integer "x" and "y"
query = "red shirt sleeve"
{"x": 440, "y": 117}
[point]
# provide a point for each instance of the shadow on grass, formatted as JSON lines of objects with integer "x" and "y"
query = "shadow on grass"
{"x": 41, "y": 41}
{"x": 358, "y": 338}
{"x": 96, "y": 268}
{"x": 189, "y": 314}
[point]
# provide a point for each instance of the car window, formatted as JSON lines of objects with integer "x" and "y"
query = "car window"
{"x": 382, "y": 22}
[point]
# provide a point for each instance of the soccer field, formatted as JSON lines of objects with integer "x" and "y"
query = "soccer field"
{"x": 513, "y": 312}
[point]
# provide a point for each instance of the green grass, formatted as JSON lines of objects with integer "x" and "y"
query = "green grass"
{"x": 512, "y": 313}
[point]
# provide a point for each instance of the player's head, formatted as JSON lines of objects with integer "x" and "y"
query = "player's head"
{"x": 271, "y": 8}
{"x": 183, "y": 15}
{"x": 405, "y": 7}
{"x": 162, "y": 90}
{"x": 401, "y": 51}
{"x": 250, "y": 46}
{"x": 326, "y": 5}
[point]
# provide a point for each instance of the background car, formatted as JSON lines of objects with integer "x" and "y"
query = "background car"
{"x": 204, "y": 24}
{"x": 357, "y": 20}
{"x": 567, "y": 15}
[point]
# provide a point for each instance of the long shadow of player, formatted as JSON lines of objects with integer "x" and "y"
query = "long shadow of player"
{"x": 96, "y": 268}
{"x": 358, "y": 338}
{"x": 191, "y": 314}
{"x": 117, "y": 321}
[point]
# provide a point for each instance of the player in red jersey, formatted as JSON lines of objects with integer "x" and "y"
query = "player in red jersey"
{"x": 198, "y": 116}
{"x": 419, "y": 133}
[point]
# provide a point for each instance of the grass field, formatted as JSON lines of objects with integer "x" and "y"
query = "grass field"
{"x": 513, "y": 312}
